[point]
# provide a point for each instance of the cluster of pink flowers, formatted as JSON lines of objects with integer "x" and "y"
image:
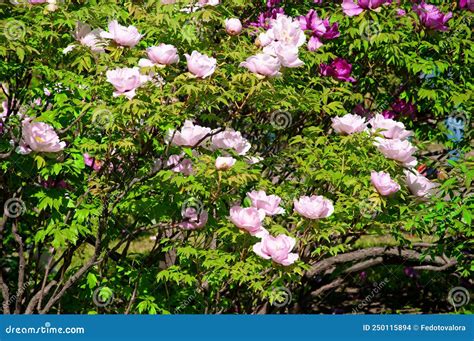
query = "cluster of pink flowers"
{"x": 192, "y": 135}
{"x": 339, "y": 69}
{"x": 352, "y": 8}
{"x": 250, "y": 219}
{"x": 280, "y": 44}
{"x": 431, "y": 17}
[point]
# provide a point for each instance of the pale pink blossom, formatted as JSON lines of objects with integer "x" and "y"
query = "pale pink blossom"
{"x": 189, "y": 135}
{"x": 161, "y": 55}
{"x": 277, "y": 249}
{"x": 383, "y": 183}
{"x": 233, "y": 26}
{"x": 39, "y": 137}
{"x": 87, "y": 37}
{"x": 193, "y": 219}
{"x": 419, "y": 185}
{"x": 248, "y": 219}
{"x": 180, "y": 164}
{"x": 389, "y": 128}
{"x": 270, "y": 204}
{"x": 286, "y": 30}
{"x": 224, "y": 162}
{"x": 230, "y": 139}
{"x": 349, "y": 124}
{"x": 126, "y": 81}
{"x": 122, "y": 35}
{"x": 286, "y": 54}
{"x": 314, "y": 207}
{"x": 398, "y": 150}
{"x": 263, "y": 65}
{"x": 200, "y": 65}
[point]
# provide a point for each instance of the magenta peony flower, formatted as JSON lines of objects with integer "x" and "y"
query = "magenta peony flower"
{"x": 263, "y": 65}
{"x": 321, "y": 29}
{"x": 349, "y": 124}
{"x": 126, "y": 81}
{"x": 277, "y": 249}
{"x": 314, "y": 207}
{"x": 224, "y": 163}
{"x": 468, "y": 4}
{"x": 268, "y": 203}
{"x": 39, "y": 137}
{"x": 431, "y": 17}
{"x": 189, "y": 135}
{"x": 248, "y": 219}
{"x": 233, "y": 26}
{"x": 193, "y": 219}
{"x": 124, "y": 36}
{"x": 398, "y": 150}
{"x": 389, "y": 128}
{"x": 419, "y": 185}
{"x": 230, "y": 139}
{"x": 339, "y": 69}
{"x": 200, "y": 65}
{"x": 383, "y": 183}
{"x": 160, "y": 55}
{"x": 350, "y": 8}
{"x": 404, "y": 108}
{"x": 180, "y": 164}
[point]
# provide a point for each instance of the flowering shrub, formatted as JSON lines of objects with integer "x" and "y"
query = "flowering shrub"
{"x": 161, "y": 150}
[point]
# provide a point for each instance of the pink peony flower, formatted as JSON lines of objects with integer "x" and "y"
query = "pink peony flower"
{"x": 39, "y": 137}
{"x": 431, "y": 17}
{"x": 263, "y": 65}
{"x": 314, "y": 207}
{"x": 168, "y": 2}
{"x": 398, "y": 150}
{"x": 277, "y": 249}
{"x": 390, "y": 129}
{"x": 189, "y": 135}
{"x": 286, "y": 30}
{"x": 248, "y": 219}
{"x": 224, "y": 163}
{"x": 160, "y": 55}
{"x": 126, "y": 81}
{"x": 383, "y": 183}
{"x": 233, "y": 26}
{"x": 230, "y": 139}
{"x": 124, "y": 36}
{"x": 180, "y": 164}
{"x": 268, "y": 203}
{"x": 321, "y": 29}
{"x": 286, "y": 54}
{"x": 339, "y": 69}
{"x": 208, "y": 3}
{"x": 350, "y": 8}
{"x": 419, "y": 185}
{"x": 200, "y": 65}
{"x": 92, "y": 162}
{"x": 349, "y": 124}
{"x": 193, "y": 219}
{"x": 87, "y": 37}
